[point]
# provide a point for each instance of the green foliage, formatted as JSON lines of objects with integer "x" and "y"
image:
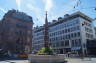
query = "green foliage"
{"x": 45, "y": 51}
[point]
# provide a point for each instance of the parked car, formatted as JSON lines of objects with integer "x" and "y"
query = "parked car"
{"x": 3, "y": 53}
{"x": 23, "y": 55}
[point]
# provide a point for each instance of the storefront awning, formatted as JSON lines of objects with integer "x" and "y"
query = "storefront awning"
{"x": 75, "y": 48}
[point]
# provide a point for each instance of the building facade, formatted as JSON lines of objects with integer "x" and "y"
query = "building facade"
{"x": 95, "y": 31}
{"x": 91, "y": 47}
{"x": 68, "y": 34}
{"x": 0, "y": 34}
{"x": 17, "y": 32}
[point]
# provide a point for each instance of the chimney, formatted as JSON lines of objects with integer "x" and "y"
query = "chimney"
{"x": 59, "y": 18}
{"x": 66, "y": 15}
{"x": 53, "y": 21}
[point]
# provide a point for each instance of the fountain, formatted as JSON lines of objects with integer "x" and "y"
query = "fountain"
{"x": 46, "y": 54}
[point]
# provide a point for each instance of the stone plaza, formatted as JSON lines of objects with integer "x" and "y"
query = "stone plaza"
{"x": 69, "y": 60}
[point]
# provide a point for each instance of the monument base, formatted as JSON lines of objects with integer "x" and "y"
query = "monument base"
{"x": 58, "y": 58}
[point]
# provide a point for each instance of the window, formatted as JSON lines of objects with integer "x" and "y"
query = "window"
{"x": 71, "y": 35}
{"x": 76, "y": 42}
{"x": 91, "y": 36}
{"x": 68, "y": 30}
{"x": 79, "y": 42}
{"x": 78, "y": 28}
{"x": 73, "y": 43}
{"x": 65, "y": 30}
{"x": 56, "y": 33}
{"x": 50, "y": 34}
{"x": 50, "y": 39}
{"x": 87, "y": 35}
{"x": 62, "y": 43}
{"x": 77, "y": 21}
{"x": 28, "y": 39}
{"x": 60, "y": 32}
{"x": 63, "y": 37}
{"x": 11, "y": 29}
{"x": 72, "y": 29}
{"x": 21, "y": 25}
{"x": 57, "y": 44}
{"x": 66, "y": 43}
{"x": 53, "y": 39}
{"x": 56, "y": 38}
{"x": 29, "y": 32}
{"x": 78, "y": 34}
{"x": 53, "y": 44}
{"x": 88, "y": 30}
{"x": 75, "y": 35}
{"x": 68, "y": 36}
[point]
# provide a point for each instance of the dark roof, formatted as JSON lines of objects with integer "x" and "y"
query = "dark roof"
{"x": 18, "y": 15}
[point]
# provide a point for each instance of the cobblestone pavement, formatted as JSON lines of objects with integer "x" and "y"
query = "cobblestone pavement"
{"x": 78, "y": 60}
{"x": 70, "y": 60}
{"x": 14, "y": 61}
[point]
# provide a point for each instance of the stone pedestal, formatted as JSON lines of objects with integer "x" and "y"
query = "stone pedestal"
{"x": 46, "y": 58}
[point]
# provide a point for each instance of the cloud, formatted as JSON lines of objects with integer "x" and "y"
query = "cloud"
{"x": 18, "y": 2}
{"x": 64, "y": 10}
{"x": 48, "y": 4}
{"x": 67, "y": 8}
{"x": 3, "y": 10}
{"x": 33, "y": 8}
{"x": 38, "y": 15}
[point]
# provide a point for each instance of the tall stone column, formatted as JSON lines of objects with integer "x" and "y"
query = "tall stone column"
{"x": 46, "y": 34}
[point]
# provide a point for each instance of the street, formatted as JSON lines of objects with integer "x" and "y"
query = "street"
{"x": 78, "y": 60}
{"x": 70, "y": 60}
{"x": 14, "y": 61}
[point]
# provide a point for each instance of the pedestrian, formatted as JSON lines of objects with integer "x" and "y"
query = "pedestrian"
{"x": 68, "y": 54}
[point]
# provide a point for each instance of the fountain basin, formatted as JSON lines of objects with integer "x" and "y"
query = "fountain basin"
{"x": 58, "y": 58}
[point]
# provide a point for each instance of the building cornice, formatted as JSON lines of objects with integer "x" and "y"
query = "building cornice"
{"x": 72, "y": 16}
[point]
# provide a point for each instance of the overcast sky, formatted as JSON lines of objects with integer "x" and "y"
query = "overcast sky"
{"x": 55, "y": 8}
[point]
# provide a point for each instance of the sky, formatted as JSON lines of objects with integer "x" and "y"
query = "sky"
{"x": 55, "y": 8}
